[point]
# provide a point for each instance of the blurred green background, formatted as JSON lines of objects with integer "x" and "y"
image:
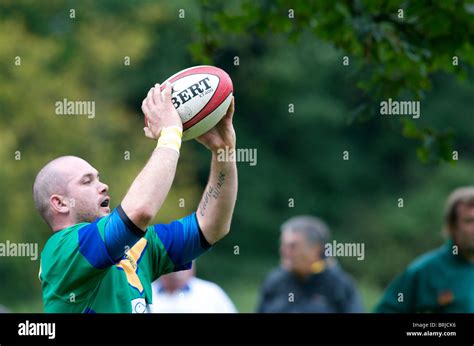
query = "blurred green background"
{"x": 300, "y": 153}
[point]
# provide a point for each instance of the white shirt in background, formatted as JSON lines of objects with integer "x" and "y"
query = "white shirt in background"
{"x": 198, "y": 296}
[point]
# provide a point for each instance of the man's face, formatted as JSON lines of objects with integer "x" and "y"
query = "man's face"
{"x": 296, "y": 254}
{"x": 88, "y": 197}
{"x": 463, "y": 233}
{"x": 176, "y": 280}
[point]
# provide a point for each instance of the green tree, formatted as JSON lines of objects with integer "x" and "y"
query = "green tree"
{"x": 394, "y": 47}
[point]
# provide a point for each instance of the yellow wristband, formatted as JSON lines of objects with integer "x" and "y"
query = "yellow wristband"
{"x": 170, "y": 137}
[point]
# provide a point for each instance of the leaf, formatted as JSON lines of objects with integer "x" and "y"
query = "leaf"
{"x": 410, "y": 130}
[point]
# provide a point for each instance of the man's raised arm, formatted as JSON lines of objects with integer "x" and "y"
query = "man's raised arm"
{"x": 150, "y": 188}
{"x": 217, "y": 204}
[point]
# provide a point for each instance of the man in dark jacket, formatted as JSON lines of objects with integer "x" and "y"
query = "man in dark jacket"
{"x": 306, "y": 281}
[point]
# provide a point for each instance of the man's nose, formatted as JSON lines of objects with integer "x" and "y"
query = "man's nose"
{"x": 104, "y": 187}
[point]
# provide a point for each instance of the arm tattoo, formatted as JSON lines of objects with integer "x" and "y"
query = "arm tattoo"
{"x": 220, "y": 183}
{"x": 205, "y": 200}
{"x": 213, "y": 192}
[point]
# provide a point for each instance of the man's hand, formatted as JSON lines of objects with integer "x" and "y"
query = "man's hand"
{"x": 222, "y": 135}
{"x": 159, "y": 111}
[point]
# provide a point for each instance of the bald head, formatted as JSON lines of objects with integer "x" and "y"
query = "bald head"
{"x": 53, "y": 179}
{"x": 177, "y": 280}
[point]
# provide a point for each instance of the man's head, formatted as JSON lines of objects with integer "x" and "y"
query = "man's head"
{"x": 67, "y": 191}
{"x": 302, "y": 243}
{"x": 177, "y": 280}
{"x": 459, "y": 218}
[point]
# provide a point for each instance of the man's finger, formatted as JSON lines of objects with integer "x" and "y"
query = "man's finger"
{"x": 148, "y": 132}
{"x": 157, "y": 94}
{"x": 146, "y": 111}
{"x": 167, "y": 93}
{"x": 230, "y": 111}
{"x": 145, "y": 108}
{"x": 149, "y": 98}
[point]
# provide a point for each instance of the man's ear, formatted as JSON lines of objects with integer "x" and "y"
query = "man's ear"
{"x": 59, "y": 203}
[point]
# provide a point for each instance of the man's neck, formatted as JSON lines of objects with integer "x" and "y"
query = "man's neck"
{"x": 59, "y": 226}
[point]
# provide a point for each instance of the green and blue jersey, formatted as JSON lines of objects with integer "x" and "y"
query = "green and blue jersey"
{"x": 108, "y": 265}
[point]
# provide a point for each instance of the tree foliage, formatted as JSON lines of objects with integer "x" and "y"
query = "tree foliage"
{"x": 397, "y": 46}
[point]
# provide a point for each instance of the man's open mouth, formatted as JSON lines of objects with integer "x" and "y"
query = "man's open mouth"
{"x": 105, "y": 203}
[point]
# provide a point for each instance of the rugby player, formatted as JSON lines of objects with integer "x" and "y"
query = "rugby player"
{"x": 98, "y": 260}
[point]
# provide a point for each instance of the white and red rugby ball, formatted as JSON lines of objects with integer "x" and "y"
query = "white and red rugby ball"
{"x": 201, "y": 95}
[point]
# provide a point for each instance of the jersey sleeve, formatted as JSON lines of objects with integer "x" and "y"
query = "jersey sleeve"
{"x": 103, "y": 242}
{"x": 175, "y": 245}
{"x": 74, "y": 260}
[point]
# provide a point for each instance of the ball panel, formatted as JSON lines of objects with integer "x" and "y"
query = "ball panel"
{"x": 190, "y": 102}
{"x": 209, "y": 121}
{"x": 204, "y": 69}
{"x": 222, "y": 92}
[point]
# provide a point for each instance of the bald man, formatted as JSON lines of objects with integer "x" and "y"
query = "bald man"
{"x": 98, "y": 260}
{"x": 183, "y": 292}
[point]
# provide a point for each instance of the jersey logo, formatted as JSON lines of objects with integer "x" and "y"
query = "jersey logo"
{"x": 130, "y": 264}
{"x": 139, "y": 306}
{"x": 445, "y": 298}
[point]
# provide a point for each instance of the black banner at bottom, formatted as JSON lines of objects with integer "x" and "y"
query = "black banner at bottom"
{"x": 290, "y": 329}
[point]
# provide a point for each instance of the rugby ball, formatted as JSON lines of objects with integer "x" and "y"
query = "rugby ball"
{"x": 201, "y": 95}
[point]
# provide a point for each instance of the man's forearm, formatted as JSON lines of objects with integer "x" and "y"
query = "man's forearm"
{"x": 218, "y": 201}
{"x": 150, "y": 188}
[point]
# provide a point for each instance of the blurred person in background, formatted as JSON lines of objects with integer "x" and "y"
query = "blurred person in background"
{"x": 307, "y": 281}
{"x": 182, "y": 292}
{"x": 441, "y": 280}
